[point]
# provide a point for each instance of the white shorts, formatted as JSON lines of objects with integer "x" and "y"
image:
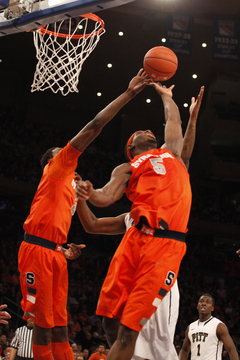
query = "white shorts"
{"x": 155, "y": 340}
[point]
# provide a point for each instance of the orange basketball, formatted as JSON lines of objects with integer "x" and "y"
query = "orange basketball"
{"x": 160, "y": 63}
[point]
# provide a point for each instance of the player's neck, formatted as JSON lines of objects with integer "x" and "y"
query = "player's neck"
{"x": 203, "y": 317}
{"x": 143, "y": 149}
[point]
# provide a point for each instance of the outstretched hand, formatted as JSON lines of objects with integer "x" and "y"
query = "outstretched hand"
{"x": 162, "y": 89}
{"x": 73, "y": 252}
{"x": 238, "y": 252}
{"x": 195, "y": 105}
{"x": 139, "y": 82}
{"x": 4, "y": 315}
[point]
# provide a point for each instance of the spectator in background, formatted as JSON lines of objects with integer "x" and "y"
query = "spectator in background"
{"x": 225, "y": 355}
{"x": 80, "y": 357}
{"x": 3, "y": 343}
{"x": 85, "y": 354}
{"x": 6, "y": 354}
{"x": 99, "y": 354}
{"x": 83, "y": 317}
{"x": 75, "y": 350}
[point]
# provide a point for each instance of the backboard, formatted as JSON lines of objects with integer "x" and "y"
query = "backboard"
{"x": 25, "y": 15}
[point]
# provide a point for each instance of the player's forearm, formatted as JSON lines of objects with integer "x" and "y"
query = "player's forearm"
{"x": 233, "y": 354}
{"x": 183, "y": 355}
{"x": 101, "y": 199}
{"x": 171, "y": 110}
{"x": 13, "y": 353}
{"x": 87, "y": 218}
{"x": 95, "y": 126}
{"x": 189, "y": 140}
{"x": 104, "y": 116}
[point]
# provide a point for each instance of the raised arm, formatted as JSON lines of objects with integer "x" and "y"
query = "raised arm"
{"x": 94, "y": 225}
{"x": 184, "y": 352}
{"x": 94, "y": 127}
{"x": 223, "y": 335}
{"x": 173, "y": 129}
{"x": 190, "y": 134}
{"x": 110, "y": 193}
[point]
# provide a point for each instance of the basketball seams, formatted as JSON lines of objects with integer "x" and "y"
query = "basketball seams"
{"x": 162, "y": 72}
{"x": 161, "y": 59}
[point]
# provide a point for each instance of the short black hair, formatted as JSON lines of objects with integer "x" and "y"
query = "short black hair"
{"x": 213, "y": 300}
{"x": 46, "y": 157}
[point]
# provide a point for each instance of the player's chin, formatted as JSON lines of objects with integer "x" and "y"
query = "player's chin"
{"x": 152, "y": 141}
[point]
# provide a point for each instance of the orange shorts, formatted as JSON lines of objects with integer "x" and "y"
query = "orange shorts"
{"x": 44, "y": 284}
{"x": 142, "y": 271}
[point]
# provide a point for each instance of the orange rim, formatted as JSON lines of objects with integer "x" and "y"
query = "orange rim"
{"x": 43, "y": 30}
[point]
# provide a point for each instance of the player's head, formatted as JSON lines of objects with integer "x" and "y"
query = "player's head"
{"x": 205, "y": 304}
{"x": 48, "y": 155}
{"x": 139, "y": 142}
{"x": 101, "y": 348}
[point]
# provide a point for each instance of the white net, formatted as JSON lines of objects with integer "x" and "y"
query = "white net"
{"x": 61, "y": 49}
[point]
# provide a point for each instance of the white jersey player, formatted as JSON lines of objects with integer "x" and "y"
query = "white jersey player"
{"x": 206, "y": 336}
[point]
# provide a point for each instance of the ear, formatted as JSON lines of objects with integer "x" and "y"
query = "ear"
{"x": 130, "y": 146}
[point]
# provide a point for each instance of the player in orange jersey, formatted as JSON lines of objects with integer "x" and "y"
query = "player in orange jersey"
{"x": 42, "y": 260}
{"x": 146, "y": 263}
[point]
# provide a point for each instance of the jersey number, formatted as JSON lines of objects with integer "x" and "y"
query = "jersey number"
{"x": 157, "y": 166}
{"x": 198, "y": 350}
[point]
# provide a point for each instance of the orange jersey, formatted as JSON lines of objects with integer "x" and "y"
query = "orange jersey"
{"x": 159, "y": 188}
{"x": 54, "y": 202}
{"x": 97, "y": 356}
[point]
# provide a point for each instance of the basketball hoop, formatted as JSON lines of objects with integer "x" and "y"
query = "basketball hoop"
{"x": 61, "y": 49}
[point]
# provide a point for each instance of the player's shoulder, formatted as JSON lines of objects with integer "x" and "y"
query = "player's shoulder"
{"x": 193, "y": 325}
{"x": 217, "y": 321}
{"x": 124, "y": 168}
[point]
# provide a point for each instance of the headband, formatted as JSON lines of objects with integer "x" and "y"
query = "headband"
{"x": 129, "y": 142}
